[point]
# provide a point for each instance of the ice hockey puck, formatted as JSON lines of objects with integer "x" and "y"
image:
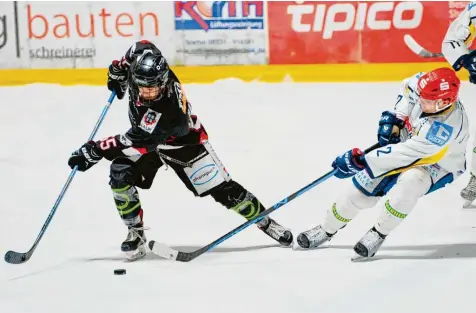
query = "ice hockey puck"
{"x": 120, "y": 272}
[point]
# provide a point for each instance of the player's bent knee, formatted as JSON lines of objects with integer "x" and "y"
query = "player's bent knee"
{"x": 121, "y": 173}
{"x": 235, "y": 197}
{"x": 229, "y": 194}
{"x": 412, "y": 184}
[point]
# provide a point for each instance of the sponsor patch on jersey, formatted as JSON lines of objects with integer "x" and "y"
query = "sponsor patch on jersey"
{"x": 204, "y": 174}
{"x": 150, "y": 120}
{"x": 439, "y": 133}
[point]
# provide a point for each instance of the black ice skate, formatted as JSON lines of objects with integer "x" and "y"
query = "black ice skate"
{"x": 135, "y": 244}
{"x": 368, "y": 245}
{"x": 276, "y": 231}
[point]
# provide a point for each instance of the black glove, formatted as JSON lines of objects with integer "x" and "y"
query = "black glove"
{"x": 117, "y": 79}
{"x": 469, "y": 63}
{"x": 85, "y": 157}
{"x": 386, "y": 134}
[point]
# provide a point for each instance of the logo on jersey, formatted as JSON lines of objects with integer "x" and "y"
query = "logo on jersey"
{"x": 439, "y": 133}
{"x": 150, "y": 120}
{"x": 204, "y": 174}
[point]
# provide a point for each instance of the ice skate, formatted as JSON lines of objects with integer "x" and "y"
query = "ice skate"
{"x": 135, "y": 244}
{"x": 276, "y": 231}
{"x": 469, "y": 192}
{"x": 370, "y": 243}
{"x": 313, "y": 238}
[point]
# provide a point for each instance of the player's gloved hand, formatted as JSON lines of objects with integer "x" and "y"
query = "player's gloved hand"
{"x": 386, "y": 131}
{"x": 85, "y": 157}
{"x": 117, "y": 79}
{"x": 469, "y": 63}
{"x": 348, "y": 164}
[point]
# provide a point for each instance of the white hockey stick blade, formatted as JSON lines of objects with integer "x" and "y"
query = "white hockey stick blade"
{"x": 412, "y": 44}
{"x": 162, "y": 250}
{"x": 417, "y": 49}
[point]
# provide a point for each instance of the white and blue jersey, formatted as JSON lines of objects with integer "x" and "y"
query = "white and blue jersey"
{"x": 435, "y": 141}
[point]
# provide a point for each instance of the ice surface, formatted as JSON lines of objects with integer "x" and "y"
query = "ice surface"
{"x": 274, "y": 139}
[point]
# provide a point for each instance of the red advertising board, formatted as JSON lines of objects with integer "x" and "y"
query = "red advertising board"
{"x": 310, "y": 32}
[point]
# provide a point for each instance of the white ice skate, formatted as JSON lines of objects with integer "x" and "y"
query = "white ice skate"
{"x": 469, "y": 192}
{"x": 279, "y": 233}
{"x": 313, "y": 238}
{"x": 366, "y": 248}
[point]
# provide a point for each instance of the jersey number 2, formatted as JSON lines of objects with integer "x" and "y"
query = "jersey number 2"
{"x": 387, "y": 150}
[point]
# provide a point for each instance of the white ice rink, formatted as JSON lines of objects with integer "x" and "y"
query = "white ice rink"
{"x": 273, "y": 139}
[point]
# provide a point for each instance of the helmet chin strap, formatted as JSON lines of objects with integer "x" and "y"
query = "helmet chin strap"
{"x": 448, "y": 104}
{"x": 436, "y": 107}
{"x": 443, "y": 107}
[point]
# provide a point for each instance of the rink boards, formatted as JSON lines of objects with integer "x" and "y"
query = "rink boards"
{"x": 261, "y": 73}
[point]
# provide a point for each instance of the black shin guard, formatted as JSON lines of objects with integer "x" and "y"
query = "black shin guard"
{"x": 235, "y": 197}
{"x": 125, "y": 193}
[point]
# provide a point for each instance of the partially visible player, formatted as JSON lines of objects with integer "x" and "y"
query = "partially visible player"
{"x": 426, "y": 153}
{"x": 455, "y": 48}
{"x": 163, "y": 132}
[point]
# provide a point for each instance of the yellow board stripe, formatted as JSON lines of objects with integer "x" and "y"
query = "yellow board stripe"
{"x": 263, "y": 73}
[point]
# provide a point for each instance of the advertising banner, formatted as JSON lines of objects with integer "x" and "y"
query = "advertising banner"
{"x": 319, "y": 32}
{"x": 89, "y": 34}
{"x": 9, "y": 50}
{"x": 220, "y": 32}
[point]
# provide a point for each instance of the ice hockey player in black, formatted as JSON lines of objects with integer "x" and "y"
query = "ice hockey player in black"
{"x": 163, "y": 131}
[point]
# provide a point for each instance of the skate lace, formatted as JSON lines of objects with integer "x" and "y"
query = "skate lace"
{"x": 275, "y": 230}
{"x": 134, "y": 232}
{"x": 472, "y": 184}
{"x": 371, "y": 240}
{"x": 315, "y": 232}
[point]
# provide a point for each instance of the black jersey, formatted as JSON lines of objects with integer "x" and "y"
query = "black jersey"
{"x": 167, "y": 120}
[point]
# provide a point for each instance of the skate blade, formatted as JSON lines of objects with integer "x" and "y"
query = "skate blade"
{"x": 467, "y": 204}
{"x": 358, "y": 258}
{"x": 297, "y": 247}
{"x": 132, "y": 256}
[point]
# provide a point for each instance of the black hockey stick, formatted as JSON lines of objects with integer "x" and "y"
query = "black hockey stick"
{"x": 166, "y": 252}
{"x": 14, "y": 257}
{"x": 419, "y": 50}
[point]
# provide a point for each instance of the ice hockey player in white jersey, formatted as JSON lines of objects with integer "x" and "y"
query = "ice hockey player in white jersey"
{"x": 426, "y": 153}
{"x": 455, "y": 48}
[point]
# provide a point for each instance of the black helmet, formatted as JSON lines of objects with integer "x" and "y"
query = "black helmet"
{"x": 149, "y": 70}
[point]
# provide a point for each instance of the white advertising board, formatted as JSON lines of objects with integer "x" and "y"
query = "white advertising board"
{"x": 220, "y": 32}
{"x": 9, "y": 48}
{"x": 86, "y": 34}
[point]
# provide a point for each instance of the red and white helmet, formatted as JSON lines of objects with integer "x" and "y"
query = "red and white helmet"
{"x": 438, "y": 89}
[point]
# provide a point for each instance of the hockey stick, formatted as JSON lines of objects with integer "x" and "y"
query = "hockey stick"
{"x": 13, "y": 257}
{"x": 166, "y": 252}
{"x": 419, "y": 50}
